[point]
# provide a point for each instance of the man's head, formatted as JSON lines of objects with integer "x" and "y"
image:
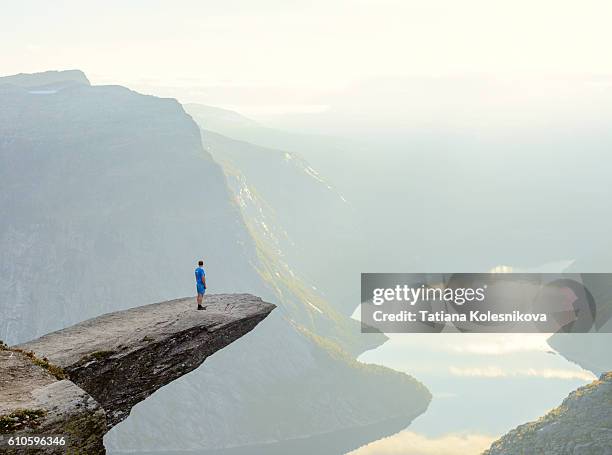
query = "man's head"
{"x": 200, "y": 263}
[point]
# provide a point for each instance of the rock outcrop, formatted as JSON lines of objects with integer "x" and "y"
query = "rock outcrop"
{"x": 34, "y": 403}
{"x": 111, "y": 363}
{"x": 582, "y": 425}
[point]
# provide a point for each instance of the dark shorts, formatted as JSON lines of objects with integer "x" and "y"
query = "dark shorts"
{"x": 201, "y": 289}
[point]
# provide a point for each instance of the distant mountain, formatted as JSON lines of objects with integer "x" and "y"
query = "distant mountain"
{"x": 430, "y": 196}
{"x": 221, "y": 120}
{"x": 294, "y": 211}
{"x": 46, "y": 79}
{"x": 108, "y": 199}
{"x": 328, "y": 154}
{"x": 287, "y": 203}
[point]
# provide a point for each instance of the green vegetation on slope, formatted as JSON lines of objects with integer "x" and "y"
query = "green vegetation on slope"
{"x": 56, "y": 371}
{"x": 20, "y": 419}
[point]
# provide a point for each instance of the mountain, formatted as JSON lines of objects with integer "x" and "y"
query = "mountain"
{"x": 224, "y": 121}
{"x": 109, "y": 199}
{"x": 328, "y": 154}
{"x": 582, "y": 425}
{"x": 434, "y": 196}
{"x": 287, "y": 203}
{"x": 299, "y": 217}
{"x": 48, "y": 79}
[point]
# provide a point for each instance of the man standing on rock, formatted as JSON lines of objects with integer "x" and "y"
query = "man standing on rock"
{"x": 200, "y": 276}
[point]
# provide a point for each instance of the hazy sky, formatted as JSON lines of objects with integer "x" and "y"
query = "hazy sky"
{"x": 290, "y": 54}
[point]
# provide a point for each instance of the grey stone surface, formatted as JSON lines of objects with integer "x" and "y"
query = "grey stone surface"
{"x": 123, "y": 357}
{"x": 115, "y": 361}
{"x": 69, "y": 411}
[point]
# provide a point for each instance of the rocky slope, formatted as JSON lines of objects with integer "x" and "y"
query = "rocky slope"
{"x": 35, "y": 403}
{"x": 111, "y": 363}
{"x": 582, "y": 425}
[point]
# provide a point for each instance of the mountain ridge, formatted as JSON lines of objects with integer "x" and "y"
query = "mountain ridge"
{"x": 46, "y": 78}
{"x": 581, "y": 425}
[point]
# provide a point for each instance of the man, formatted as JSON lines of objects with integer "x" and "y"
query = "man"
{"x": 200, "y": 276}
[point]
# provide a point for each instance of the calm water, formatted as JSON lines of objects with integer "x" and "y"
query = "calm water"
{"x": 483, "y": 386}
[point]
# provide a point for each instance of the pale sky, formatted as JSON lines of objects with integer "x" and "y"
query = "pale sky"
{"x": 293, "y": 54}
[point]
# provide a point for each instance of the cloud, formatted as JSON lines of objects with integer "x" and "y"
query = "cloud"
{"x": 480, "y": 372}
{"x": 546, "y": 373}
{"x": 486, "y": 344}
{"x": 33, "y": 47}
{"x": 411, "y": 443}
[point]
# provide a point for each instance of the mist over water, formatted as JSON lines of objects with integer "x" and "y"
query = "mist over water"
{"x": 468, "y": 186}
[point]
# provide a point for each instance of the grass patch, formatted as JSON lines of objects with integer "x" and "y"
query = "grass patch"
{"x": 20, "y": 419}
{"x": 56, "y": 371}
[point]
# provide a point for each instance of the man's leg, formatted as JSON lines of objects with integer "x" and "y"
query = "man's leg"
{"x": 199, "y": 299}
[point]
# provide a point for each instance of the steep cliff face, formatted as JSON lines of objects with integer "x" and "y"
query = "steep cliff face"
{"x": 582, "y": 425}
{"x": 112, "y": 362}
{"x": 108, "y": 198}
{"x": 100, "y": 187}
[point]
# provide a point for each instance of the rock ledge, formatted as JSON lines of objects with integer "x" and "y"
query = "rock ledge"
{"x": 113, "y": 362}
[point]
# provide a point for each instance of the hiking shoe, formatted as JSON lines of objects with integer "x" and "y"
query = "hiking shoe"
{"x": 200, "y": 307}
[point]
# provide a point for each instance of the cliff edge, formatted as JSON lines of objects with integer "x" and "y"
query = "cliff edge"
{"x": 81, "y": 381}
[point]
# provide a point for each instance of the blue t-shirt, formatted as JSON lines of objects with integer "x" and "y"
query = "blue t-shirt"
{"x": 199, "y": 273}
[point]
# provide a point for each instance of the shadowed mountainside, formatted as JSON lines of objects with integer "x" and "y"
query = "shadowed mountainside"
{"x": 280, "y": 193}
{"x": 109, "y": 199}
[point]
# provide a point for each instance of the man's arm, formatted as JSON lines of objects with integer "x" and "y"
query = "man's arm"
{"x": 204, "y": 281}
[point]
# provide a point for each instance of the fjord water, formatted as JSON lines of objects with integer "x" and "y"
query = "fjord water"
{"x": 483, "y": 386}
